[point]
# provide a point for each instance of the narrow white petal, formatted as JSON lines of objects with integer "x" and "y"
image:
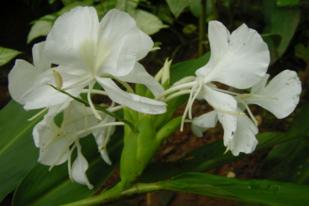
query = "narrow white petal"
{"x": 102, "y": 137}
{"x": 280, "y": 96}
{"x": 201, "y": 123}
{"x": 244, "y": 139}
{"x": 226, "y": 106}
{"x": 79, "y": 168}
{"x": 242, "y": 64}
{"x": 73, "y": 37}
{"x": 125, "y": 42}
{"x": 140, "y": 76}
{"x": 135, "y": 102}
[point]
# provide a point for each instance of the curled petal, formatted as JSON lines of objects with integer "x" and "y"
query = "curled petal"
{"x": 135, "y": 102}
{"x": 204, "y": 122}
{"x": 140, "y": 76}
{"x": 244, "y": 139}
{"x": 79, "y": 168}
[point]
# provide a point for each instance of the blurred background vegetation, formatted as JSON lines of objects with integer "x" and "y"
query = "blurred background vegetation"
{"x": 179, "y": 29}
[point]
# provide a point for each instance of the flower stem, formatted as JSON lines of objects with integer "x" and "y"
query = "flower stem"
{"x": 116, "y": 192}
{"x": 202, "y": 28}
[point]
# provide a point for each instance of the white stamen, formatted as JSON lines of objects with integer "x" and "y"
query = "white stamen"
{"x": 177, "y": 94}
{"x": 101, "y": 125}
{"x": 95, "y": 112}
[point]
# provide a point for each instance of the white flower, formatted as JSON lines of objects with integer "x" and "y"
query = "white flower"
{"x": 280, "y": 96}
{"x": 93, "y": 51}
{"x": 238, "y": 59}
{"x": 56, "y": 143}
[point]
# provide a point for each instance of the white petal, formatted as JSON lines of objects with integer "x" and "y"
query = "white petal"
{"x": 125, "y": 41}
{"x": 102, "y": 137}
{"x": 244, "y": 139}
{"x": 135, "y": 102}
{"x": 280, "y": 96}
{"x": 242, "y": 63}
{"x": 54, "y": 147}
{"x": 140, "y": 76}
{"x": 202, "y": 123}
{"x": 73, "y": 38}
{"x": 40, "y": 60}
{"x": 79, "y": 168}
{"x": 226, "y": 106}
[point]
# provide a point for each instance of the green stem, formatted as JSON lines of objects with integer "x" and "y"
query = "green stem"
{"x": 115, "y": 193}
{"x": 202, "y": 28}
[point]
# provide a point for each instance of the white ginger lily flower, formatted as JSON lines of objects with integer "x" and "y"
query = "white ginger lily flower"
{"x": 56, "y": 143}
{"x": 238, "y": 59}
{"x": 29, "y": 84}
{"x": 279, "y": 96}
{"x": 96, "y": 51}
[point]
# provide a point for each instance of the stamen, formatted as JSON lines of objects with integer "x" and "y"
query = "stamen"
{"x": 184, "y": 115}
{"x": 194, "y": 97}
{"x": 226, "y": 91}
{"x": 58, "y": 79}
{"x": 37, "y": 114}
{"x": 101, "y": 125}
{"x": 178, "y": 87}
{"x": 251, "y": 115}
{"x": 70, "y": 161}
{"x": 177, "y": 94}
{"x": 92, "y": 107}
{"x": 95, "y": 91}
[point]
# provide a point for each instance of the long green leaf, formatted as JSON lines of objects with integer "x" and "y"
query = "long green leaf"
{"x": 259, "y": 191}
{"x": 17, "y": 151}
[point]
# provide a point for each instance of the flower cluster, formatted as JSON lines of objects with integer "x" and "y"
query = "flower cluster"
{"x": 83, "y": 56}
{"x": 81, "y": 52}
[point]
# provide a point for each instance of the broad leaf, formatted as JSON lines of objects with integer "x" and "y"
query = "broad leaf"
{"x": 177, "y": 6}
{"x": 6, "y": 55}
{"x": 148, "y": 22}
{"x": 17, "y": 151}
{"x": 274, "y": 16}
{"x": 39, "y": 28}
{"x": 259, "y": 191}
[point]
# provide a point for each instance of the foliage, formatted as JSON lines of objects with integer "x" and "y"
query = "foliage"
{"x": 285, "y": 166}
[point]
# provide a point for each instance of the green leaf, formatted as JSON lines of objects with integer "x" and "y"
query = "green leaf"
{"x": 287, "y": 2}
{"x": 6, "y": 55}
{"x": 258, "y": 191}
{"x": 44, "y": 188}
{"x": 17, "y": 152}
{"x": 39, "y": 28}
{"x": 274, "y": 17}
{"x": 302, "y": 52}
{"x": 187, "y": 68}
{"x": 177, "y": 6}
{"x": 148, "y": 22}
